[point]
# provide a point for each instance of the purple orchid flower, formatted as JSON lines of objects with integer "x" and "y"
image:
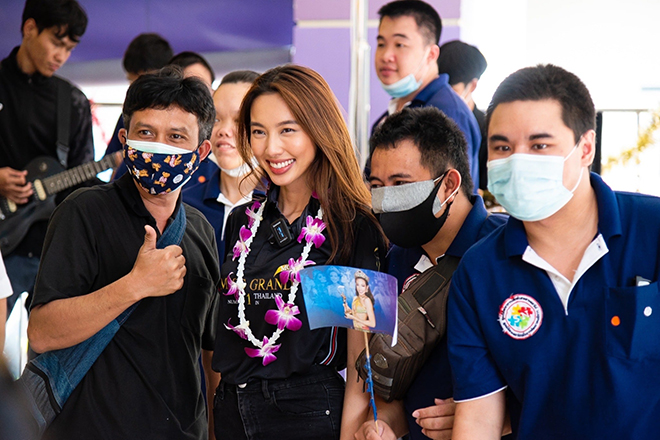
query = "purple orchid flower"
{"x": 252, "y": 213}
{"x": 290, "y": 272}
{"x": 240, "y": 245}
{"x": 233, "y": 287}
{"x": 239, "y": 330}
{"x": 266, "y": 352}
{"x": 313, "y": 231}
{"x": 284, "y": 315}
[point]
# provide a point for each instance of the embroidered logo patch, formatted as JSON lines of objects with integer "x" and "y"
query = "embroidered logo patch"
{"x": 520, "y": 316}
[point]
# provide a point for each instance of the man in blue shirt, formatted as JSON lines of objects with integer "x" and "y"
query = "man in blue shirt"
{"x": 465, "y": 64}
{"x": 562, "y": 315}
{"x": 422, "y": 193}
{"x": 221, "y": 185}
{"x": 406, "y": 64}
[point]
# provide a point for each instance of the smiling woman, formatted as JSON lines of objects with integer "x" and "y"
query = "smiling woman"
{"x": 280, "y": 145}
{"x": 266, "y": 352}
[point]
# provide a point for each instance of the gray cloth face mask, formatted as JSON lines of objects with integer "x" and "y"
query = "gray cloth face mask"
{"x": 403, "y": 197}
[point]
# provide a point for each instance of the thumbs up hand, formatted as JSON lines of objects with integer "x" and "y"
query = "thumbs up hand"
{"x": 157, "y": 272}
{"x": 149, "y": 239}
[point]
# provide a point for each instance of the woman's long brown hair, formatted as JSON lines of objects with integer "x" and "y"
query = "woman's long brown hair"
{"x": 334, "y": 174}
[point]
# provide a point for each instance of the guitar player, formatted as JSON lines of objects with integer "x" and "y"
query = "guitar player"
{"x": 37, "y": 109}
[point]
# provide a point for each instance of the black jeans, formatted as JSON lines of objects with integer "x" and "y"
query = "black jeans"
{"x": 303, "y": 406}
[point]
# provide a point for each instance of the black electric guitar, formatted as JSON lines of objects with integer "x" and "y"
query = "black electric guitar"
{"x": 48, "y": 178}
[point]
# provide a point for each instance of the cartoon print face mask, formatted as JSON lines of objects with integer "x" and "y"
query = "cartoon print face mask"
{"x": 159, "y": 168}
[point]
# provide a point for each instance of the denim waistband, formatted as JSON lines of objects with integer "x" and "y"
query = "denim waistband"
{"x": 315, "y": 374}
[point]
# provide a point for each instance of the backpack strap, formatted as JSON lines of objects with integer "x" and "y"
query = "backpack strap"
{"x": 63, "y": 122}
{"x": 445, "y": 269}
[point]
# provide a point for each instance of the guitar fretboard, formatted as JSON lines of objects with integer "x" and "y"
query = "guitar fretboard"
{"x": 81, "y": 173}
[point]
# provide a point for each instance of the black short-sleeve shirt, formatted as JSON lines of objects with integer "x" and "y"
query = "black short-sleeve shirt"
{"x": 146, "y": 383}
{"x": 300, "y": 349}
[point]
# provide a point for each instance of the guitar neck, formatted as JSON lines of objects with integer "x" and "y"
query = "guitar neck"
{"x": 82, "y": 173}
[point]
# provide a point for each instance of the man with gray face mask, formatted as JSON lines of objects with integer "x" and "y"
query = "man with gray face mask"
{"x": 422, "y": 194}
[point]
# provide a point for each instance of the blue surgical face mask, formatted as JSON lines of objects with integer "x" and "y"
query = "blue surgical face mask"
{"x": 406, "y": 85}
{"x": 530, "y": 186}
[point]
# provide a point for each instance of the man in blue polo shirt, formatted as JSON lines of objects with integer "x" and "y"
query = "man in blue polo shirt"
{"x": 406, "y": 64}
{"x": 422, "y": 193}
{"x": 563, "y": 314}
{"x": 223, "y": 185}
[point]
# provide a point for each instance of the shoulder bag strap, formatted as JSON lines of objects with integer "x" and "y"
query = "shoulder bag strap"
{"x": 63, "y": 122}
{"x": 51, "y": 377}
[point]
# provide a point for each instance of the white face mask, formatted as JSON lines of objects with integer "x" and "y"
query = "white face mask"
{"x": 240, "y": 170}
{"x": 155, "y": 147}
{"x": 530, "y": 186}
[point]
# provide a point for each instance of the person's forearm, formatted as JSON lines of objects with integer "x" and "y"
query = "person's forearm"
{"x": 356, "y": 402}
{"x": 212, "y": 382}
{"x": 66, "y": 322}
{"x": 356, "y": 405}
{"x": 393, "y": 413}
{"x": 481, "y": 418}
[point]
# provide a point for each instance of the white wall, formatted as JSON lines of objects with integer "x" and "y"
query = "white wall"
{"x": 613, "y": 46}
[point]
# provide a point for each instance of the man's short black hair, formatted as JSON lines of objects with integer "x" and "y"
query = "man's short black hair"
{"x": 549, "y": 82}
{"x": 185, "y": 59}
{"x": 441, "y": 143}
{"x": 167, "y": 88}
{"x": 147, "y": 52}
{"x": 67, "y": 15}
{"x": 427, "y": 18}
{"x": 461, "y": 61}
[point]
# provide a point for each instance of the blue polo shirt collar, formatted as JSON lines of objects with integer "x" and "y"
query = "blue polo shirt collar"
{"x": 469, "y": 232}
{"x": 212, "y": 190}
{"x": 430, "y": 90}
{"x": 609, "y": 220}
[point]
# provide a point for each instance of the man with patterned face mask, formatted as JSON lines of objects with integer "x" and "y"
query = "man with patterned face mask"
{"x": 110, "y": 249}
{"x": 406, "y": 64}
{"x": 563, "y": 308}
{"x": 422, "y": 195}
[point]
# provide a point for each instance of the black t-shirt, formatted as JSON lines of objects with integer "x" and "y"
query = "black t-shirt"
{"x": 146, "y": 383}
{"x": 28, "y": 124}
{"x": 304, "y": 347}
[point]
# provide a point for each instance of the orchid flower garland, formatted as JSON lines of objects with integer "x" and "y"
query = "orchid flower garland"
{"x": 284, "y": 316}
